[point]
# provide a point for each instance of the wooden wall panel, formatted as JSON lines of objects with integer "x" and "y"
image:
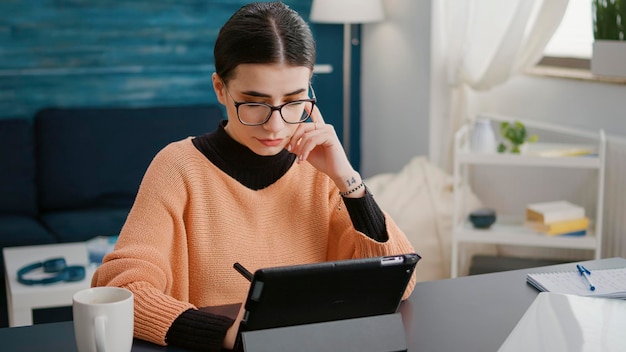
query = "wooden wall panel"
{"x": 109, "y": 53}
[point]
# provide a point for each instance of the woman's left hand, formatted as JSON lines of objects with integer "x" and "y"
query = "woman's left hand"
{"x": 317, "y": 143}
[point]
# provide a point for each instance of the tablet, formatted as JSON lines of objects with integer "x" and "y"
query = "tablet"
{"x": 327, "y": 291}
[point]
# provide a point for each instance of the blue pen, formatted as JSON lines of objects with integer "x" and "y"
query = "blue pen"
{"x": 585, "y": 274}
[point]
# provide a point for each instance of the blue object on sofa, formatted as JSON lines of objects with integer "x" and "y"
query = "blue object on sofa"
{"x": 72, "y": 174}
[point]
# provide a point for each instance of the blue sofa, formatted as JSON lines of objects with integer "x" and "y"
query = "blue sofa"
{"x": 69, "y": 175}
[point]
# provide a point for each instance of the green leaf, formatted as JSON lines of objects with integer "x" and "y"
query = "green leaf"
{"x": 516, "y": 134}
{"x": 504, "y": 127}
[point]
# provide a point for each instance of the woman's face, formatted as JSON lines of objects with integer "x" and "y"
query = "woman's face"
{"x": 273, "y": 84}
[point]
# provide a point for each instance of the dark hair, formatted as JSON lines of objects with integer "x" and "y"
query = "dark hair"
{"x": 263, "y": 33}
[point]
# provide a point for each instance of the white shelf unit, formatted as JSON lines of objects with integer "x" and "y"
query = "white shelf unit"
{"x": 509, "y": 230}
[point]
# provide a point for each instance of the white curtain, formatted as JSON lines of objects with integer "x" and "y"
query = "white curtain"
{"x": 483, "y": 43}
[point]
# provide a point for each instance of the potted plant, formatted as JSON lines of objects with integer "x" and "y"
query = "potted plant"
{"x": 609, "y": 32}
{"x": 514, "y": 137}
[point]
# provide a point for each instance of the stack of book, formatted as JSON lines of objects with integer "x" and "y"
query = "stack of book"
{"x": 559, "y": 218}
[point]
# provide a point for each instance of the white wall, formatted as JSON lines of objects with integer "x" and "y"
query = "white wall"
{"x": 395, "y": 87}
{"x": 575, "y": 103}
{"x": 402, "y": 81}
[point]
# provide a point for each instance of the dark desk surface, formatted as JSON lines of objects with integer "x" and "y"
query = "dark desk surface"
{"x": 473, "y": 313}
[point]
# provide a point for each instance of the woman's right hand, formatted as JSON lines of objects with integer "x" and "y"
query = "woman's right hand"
{"x": 231, "y": 334}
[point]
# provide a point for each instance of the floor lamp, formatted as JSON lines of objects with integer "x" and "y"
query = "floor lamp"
{"x": 346, "y": 12}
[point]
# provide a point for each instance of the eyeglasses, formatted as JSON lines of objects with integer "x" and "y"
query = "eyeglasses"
{"x": 292, "y": 112}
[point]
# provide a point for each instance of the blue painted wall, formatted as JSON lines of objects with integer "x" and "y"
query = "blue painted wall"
{"x": 72, "y": 53}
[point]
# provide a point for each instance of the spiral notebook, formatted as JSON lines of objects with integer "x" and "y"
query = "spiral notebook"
{"x": 609, "y": 283}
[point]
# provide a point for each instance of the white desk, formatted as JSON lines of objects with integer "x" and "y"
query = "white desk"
{"x": 22, "y": 299}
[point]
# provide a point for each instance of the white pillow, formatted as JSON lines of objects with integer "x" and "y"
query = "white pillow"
{"x": 419, "y": 198}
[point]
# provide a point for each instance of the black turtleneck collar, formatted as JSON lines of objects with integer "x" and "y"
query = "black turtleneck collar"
{"x": 238, "y": 161}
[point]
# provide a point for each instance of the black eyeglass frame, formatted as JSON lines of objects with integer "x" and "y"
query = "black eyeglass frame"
{"x": 273, "y": 108}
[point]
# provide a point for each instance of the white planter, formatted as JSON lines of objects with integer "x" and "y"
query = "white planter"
{"x": 609, "y": 58}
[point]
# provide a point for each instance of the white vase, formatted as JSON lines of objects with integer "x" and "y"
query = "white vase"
{"x": 483, "y": 138}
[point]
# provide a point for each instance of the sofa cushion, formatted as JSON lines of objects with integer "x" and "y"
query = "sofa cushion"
{"x": 84, "y": 224}
{"x": 17, "y": 160}
{"x": 96, "y": 157}
{"x": 20, "y": 230}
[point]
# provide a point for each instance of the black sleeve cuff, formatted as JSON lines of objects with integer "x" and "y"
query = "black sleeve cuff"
{"x": 367, "y": 217}
{"x": 199, "y": 331}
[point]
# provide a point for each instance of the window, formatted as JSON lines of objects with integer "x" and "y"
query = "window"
{"x": 568, "y": 54}
{"x": 571, "y": 44}
{"x": 574, "y": 37}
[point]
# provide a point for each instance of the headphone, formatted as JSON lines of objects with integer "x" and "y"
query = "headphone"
{"x": 55, "y": 265}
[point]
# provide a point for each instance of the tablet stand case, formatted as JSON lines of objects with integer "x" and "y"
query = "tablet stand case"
{"x": 380, "y": 333}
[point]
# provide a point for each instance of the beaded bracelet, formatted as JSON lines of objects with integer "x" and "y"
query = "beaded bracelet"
{"x": 343, "y": 194}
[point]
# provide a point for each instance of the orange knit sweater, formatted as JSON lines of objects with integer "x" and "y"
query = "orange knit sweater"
{"x": 191, "y": 222}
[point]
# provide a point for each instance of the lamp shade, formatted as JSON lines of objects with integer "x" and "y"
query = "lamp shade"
{"x": 346, "y": 11}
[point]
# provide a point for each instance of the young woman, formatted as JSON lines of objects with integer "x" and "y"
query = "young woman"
{"x": 271, "y": 186}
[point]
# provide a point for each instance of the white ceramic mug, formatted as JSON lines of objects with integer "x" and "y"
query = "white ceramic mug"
{"x": 103, "y": 319}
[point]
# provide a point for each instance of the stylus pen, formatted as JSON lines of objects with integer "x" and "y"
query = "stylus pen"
{"x": 584, "y": 272}
{"x": 243, "y": 271}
